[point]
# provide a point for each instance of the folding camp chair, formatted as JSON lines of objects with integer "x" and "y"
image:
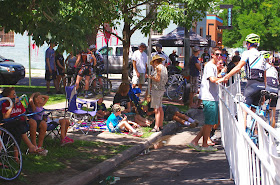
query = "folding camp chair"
{"x": 135, "y": 99}
{"x": 81, "y": 115}
{"x": 52, "y": 127}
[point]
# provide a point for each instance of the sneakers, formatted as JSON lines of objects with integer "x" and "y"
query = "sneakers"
{"x": 196, "y": 147}
{"x": 208, "y": 149}
{"x": 193, "y": 124}
{"x": 138, "y": 134}
{"x": 66, "y": 140}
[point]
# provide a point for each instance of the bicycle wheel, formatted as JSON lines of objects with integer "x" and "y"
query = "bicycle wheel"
{"x": 11, "y": 165}
{"x": 175, "y": 91}
{"x": 103, "y": 86}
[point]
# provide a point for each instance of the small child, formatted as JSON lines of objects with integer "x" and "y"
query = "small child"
{"x": 115, "y": 123}
{"x": 36, "y": 102}
{"x": 101, "y": 108}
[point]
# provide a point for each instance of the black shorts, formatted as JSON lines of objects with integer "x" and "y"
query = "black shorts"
{"x": 59, "y": 71}
{"x": 49, "y": 76}
{"x": 16, "y": 128}
{"x": 252, "y": 92}
{"x": 85, "y": 71}
{"x": 273, "y": 101}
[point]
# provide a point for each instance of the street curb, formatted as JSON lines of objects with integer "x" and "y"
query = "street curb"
{"x": 109, "y": 164}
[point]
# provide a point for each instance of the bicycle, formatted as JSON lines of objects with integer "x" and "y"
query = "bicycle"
{"x": 100, "y": 84}
{"x": 265, "y": 114}
{"x": 175, "y": 87}
{"x": 11, "y": 166}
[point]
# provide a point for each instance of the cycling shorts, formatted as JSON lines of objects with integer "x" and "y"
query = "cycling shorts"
{"x": 85, "y": 71}
{"x": 273, "y": 101}
{"x": 252, "y": 92}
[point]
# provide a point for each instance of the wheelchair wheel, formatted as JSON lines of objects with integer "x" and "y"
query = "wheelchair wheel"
{"x": 175, "y": 91}
{"x": 105, "y": 87}
{"x": 10, "y": 156}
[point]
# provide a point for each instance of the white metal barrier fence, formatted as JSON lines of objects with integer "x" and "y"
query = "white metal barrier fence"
{"x": 249, "y": 164}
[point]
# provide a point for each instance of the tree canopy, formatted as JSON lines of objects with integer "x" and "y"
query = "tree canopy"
{"x": 72, "y": 23}
{"x": 260, "y": 17}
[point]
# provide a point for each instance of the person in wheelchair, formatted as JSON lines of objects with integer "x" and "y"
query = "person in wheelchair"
{"x": 36, "y": 102}
{"x": 18, "y": 126}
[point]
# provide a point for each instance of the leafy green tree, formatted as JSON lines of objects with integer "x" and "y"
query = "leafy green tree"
{"x": 251, "y": 16}
{"x": 74, "y": 23}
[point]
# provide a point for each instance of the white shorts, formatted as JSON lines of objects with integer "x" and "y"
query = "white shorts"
{"x": 140, "y": 80}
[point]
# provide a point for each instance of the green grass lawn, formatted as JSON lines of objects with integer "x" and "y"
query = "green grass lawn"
{"x": 28, "y": 90}
{"x": 80, "y": 155}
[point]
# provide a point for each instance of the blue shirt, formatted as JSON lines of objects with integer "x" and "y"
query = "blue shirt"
{"x": 51, "y": 56}
{"x": 112, "y": 121}
{"x": 193, "y": 70}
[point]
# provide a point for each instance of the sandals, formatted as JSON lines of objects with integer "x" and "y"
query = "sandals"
{"x": 155, "y": 130}
{"x": 38, "y": 151}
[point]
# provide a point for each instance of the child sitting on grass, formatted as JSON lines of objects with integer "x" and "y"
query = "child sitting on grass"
{"x": 36, "y": 102}
{"x": 101, "y": 108}
{"x": 115, "y": 123}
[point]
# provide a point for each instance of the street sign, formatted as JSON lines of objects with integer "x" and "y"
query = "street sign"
{"x": 229, "y": 18}
{"x": 226, "y": 6}
{"x": 225, "y": 27}
{"x": 107, "y": 30}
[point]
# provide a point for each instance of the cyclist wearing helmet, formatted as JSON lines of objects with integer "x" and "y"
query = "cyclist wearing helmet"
{"x": 85, "y": 60}
{"x": 271, "y": 83}
{"x": 255, "y": 67}
{"x": 99, "y": 64}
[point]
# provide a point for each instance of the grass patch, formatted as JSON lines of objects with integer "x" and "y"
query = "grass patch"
{"x": 59, "y": 157}
{"x": 28, "y": 90}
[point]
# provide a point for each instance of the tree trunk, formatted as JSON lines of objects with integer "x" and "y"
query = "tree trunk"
{"x": 126, "y": 45}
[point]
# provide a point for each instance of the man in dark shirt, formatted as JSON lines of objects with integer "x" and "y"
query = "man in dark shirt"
{"x": 194, "y": 67}
{"x": 173, "y": 57}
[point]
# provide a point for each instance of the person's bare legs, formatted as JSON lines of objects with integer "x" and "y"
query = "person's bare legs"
{"x": 79, "y": 78}
{"x": 33, "y": 129}
{"x": 197, "y": 137}
{"x": 272, "y": 116}
{"x": 141, "y": 121}
{"x": 31, "y": 147}
{"x": 64, "y": 124}
{"x": 127, "y": 126}
{"x": 42, "y": 132}
{"x": 87, "y": 83}
{"x": 206, "y": 134}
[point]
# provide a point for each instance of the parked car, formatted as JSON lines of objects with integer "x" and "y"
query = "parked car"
{"x": 115, "y": 56}
{"x": 10, "y": 71}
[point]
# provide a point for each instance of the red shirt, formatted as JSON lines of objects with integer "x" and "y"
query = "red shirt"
{"x": 17, "y": 110}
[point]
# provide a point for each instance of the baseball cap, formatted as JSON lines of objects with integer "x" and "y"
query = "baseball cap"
{"x": 117, "y": 108}
{"x": 159, "y": 45}
{"x": 143, "y": 44}
{"x": 195, "y": 49}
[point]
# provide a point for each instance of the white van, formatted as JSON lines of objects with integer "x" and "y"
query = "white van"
{"x": 115, "y": 56}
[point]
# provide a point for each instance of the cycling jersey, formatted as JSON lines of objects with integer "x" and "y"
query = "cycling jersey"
{"x": 85, "y": 59}
{"x": 99, "y": 58}
{"x": 255, "y": 64}
{"x": 272, "y": 76}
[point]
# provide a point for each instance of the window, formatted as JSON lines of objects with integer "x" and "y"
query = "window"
{"x": 119, "y": 51}
{"x": 6, "y": 39}
{"x": 103, "y": 51}
{"x": 201, "y": 31}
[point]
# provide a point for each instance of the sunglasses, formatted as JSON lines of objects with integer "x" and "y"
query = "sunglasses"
{"x": 217, "y": 54}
